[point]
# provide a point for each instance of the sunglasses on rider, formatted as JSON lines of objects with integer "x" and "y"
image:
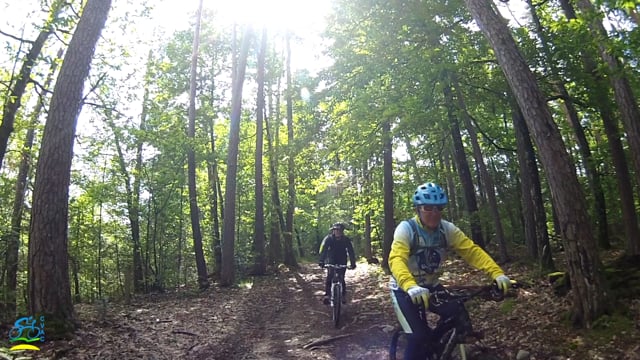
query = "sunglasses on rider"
{"x": 430, "y": 208}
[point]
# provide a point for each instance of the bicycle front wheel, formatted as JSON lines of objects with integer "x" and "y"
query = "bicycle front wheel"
{"x": 336, "y": 303}
{"x": 398, "y": 345}
{"x": 458, "y": 352}
{"x": 452, "y": 349}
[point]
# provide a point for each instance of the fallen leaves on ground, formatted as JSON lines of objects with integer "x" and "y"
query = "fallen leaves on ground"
{"x": 281, "y": 316}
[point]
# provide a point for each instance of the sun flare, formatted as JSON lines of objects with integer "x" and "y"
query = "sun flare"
{"x": 305, "y": 19}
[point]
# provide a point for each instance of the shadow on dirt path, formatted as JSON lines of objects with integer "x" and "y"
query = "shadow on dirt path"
{"x": 302, "y": 319}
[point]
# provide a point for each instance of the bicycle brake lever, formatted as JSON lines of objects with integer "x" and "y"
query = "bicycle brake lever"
{"x": 438, "y": 297}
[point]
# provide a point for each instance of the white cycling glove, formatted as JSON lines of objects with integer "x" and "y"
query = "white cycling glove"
{"x": 419, "y": 295}
{"x": 503, "y": 283}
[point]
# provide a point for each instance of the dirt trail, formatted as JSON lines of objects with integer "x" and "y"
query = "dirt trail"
{"x": 295, "y": 317}
{"x": 278, "y": 316}
{"x": 274, "y": 317}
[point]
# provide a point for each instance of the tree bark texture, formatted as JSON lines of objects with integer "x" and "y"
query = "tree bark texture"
{"x": 49, "y": 287}
{"x": 13, "y": 238}
{"x": 589, "y": 300}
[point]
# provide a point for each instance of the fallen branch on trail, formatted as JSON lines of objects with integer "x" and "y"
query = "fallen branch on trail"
{"x": 323, "y": 340}
{"x": 183, "y": 332}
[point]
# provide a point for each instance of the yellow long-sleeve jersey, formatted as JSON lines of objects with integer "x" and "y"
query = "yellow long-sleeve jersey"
{"x": 421, "y": 263}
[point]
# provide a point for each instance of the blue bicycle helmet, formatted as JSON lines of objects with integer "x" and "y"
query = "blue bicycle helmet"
{"x": 429, "y": 194}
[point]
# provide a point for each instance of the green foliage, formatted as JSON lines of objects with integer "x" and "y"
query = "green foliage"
{"x": 507, "y": 306}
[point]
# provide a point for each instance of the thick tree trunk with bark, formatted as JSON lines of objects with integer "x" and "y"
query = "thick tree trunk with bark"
{"x": 49, "y": 287}
{"x": 13, "y": 238}
{"x": 589, "y": 295}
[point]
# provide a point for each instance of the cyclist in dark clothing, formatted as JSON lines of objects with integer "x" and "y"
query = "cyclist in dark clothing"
{"x": 334, "y": 250}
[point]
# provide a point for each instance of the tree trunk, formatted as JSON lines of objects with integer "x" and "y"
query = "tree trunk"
{"x": 201, "y": 264}
{"x": 289, "y": 254}
{"x": 593, "y": 175}
{"x": 484, "y": 174}
{"x": 454, "y": 209}
{"x": 471, "y": 206}
{"x": 227, "y": 273}
{"x": 49, "y": 287}
{"x": 133, "y": 211}
{"x": 13, "y": 238}
{"x": 277, "y": 217}
{"x": 387, "y": 189}
{"x": 534, "y": 216}
{"x": 368, "y": 251}
{"x": 589, "y": 295}
{"x": 259, "y": 261}
{"x": 214, "y": 193}
{"x": 627, "y": 105}
{"x": 599, "y": 96}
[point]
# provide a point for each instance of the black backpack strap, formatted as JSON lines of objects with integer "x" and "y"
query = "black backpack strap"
{"x": 414, "y": 238}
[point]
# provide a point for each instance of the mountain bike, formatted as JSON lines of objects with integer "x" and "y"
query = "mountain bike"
{"x": 446, "y": 341}
{"x": 336, "y": 292}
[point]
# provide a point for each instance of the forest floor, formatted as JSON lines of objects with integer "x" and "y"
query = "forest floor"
{"x": 281, "y": 316}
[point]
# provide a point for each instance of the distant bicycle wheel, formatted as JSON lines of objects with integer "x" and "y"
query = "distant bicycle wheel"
{"x": 398, "y": 345}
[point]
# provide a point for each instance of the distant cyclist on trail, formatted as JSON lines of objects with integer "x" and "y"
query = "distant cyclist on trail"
{"x": 334, "y": 249}
{"x": 418, "y": 251}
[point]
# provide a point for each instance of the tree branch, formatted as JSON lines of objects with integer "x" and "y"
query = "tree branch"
{"x": 15, "y": 37}
{"x": 323, "y": 340}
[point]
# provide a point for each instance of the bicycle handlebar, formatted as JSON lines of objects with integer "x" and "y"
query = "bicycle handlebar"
{"x": 464, "y": 294}
{"x": 335, "y": 266}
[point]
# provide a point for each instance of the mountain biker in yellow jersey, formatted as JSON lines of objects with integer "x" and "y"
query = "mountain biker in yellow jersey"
{"x": 334, "y": 249}
{"x": 418, "y": 251}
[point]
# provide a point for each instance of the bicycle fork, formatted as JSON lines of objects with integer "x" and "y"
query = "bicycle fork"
{"x": 336, "y": 291}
